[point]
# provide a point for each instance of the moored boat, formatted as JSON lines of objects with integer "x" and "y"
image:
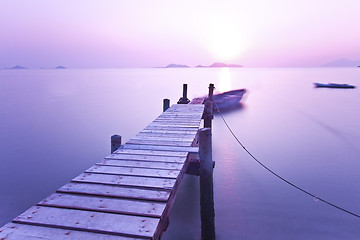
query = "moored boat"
{"x": 228, "y": 100}
{"x": 333, "y": 85}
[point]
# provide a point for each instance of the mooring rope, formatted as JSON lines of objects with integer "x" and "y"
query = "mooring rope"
{"x": 277, "y": 175}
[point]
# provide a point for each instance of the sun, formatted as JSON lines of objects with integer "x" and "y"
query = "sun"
{"x": 226, "y": 43}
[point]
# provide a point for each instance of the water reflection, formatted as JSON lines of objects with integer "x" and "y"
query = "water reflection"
{"x": 235, "y": 107}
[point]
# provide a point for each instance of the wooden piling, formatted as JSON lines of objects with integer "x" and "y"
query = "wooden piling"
{"x": 184, "y": 99}
{"x": 211, "y": 92}
{"x": 115, "y": 142}
{"x": 208, "y": 114}
{"x": 209, "y": 105}
{"x": 206, "y": 185}
{"x": 166, "y": 104}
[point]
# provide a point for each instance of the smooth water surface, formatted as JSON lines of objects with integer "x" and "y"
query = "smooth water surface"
{"x": 57, "y": 123}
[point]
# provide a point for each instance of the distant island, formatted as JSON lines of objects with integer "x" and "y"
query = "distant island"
{"x": 219, "y": 65}
{"x": 17, "y": 67}
{"x": 60, "y": 67}
{"x": 343, "y": 62}
{"x": 214, "y": 65}
{"x": 173, "y": 65}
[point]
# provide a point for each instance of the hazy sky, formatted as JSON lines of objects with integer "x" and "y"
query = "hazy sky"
{"x": 148, "y": 33}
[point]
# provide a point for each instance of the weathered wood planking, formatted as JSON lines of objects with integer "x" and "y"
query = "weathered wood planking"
{"x": 128, "y": 195}
{"x": 104, "y": 204}
{"x": 162, "y": 148}
{"x": 154, "y": 158}
{"x": 159, "y": 142}
{"x": 107, "y": 223}
{"x": 141, "y": 164}
{"x": 115, "y": 191}
{"x": 134, "y": 171}
{"x": 175, "y": 120}
{"x": 162, "y": 137}
{"x": 183, "y": 116}
{"x": 151, "y": 152}
{"x": 173, "y": 125}
{"x": 167, "y": 128}
{"x": 168, "y": 132}
{"x": 131, "y": 181}
{"x": 14, "y": 231}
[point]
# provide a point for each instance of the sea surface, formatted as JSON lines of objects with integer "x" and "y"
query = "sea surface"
{"x": 54, "y": 124}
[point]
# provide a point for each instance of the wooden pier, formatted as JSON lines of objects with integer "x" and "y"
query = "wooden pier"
{"x": 128, "y": 195}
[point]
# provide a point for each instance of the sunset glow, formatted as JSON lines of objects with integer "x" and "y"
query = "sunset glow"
{"x": 257, "y": 33}
{"x": 227, "y": 43}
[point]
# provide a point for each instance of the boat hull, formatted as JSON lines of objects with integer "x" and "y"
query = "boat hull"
{"x": 228, "y": 100}
{"x": 333, "y": 85}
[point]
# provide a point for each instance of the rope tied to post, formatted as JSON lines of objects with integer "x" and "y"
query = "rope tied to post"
{"x": 277, "y": 175}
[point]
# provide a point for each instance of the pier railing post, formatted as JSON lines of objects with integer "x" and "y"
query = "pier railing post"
{"x": 166, "y": 104}
{"x": 206, "y": 185}
{"x": 209, "y": 106}
{"x": 211, "y": 92}
{"x": 115, "y": 142}
{"x": 184, "y": 99}
{"x": 208, "y": 114}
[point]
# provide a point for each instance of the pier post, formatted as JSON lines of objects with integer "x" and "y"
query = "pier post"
{"x": 115, "y": 142}
{"x": 206, "y": 185}
{"x": 209, "y": 106}
{"x": 184, "y": 99}
{"x": 208, "y": 114}
{"x": 211, "y": 92}
{"x": 166, "y": 104}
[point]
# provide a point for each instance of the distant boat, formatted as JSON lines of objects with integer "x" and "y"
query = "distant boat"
{"x": 228, "y": 100}
{"x": 333, "y": 85}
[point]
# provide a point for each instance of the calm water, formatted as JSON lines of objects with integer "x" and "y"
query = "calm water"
{"x": 57, "y": 123}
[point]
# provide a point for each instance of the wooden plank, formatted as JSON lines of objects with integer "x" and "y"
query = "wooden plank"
{"x": 141, "y": 164}
{"x": 184, "y": 110}
{"x": 174, "y": 133}
{"x": 15, "y": 231}
{"x": 159, "y": 142}
{"x": 123, "y": 225}
{"x": 181, "y": 116}
{"x": 179, "y": 119}
{"x": 176, "y": 120}
{"x": 144, "y": 182}
{"x": 129, "y": 171}
{"x": 115, "y": 191}
{"x": 169, "y": 133}
{"x": 188, "y": 108}
{"x": 187, "y": 105}
{"x": 126, "y": 156}
{"x": 174, "y": 124}
{"x": 150, "y": 152}
{"x": 162, "y": 137}
{"x": 190, "y": 126}
{"x": 104, "y": 204}
{"x": 169, "y": 128}
{"x": 162, "y": 148}
{"x": 178, "y": 111}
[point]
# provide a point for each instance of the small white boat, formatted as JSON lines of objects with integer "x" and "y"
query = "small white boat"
{"x": 333, "y": 85}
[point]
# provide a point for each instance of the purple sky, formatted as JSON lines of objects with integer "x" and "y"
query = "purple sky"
{"x": 139, "y": 33}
